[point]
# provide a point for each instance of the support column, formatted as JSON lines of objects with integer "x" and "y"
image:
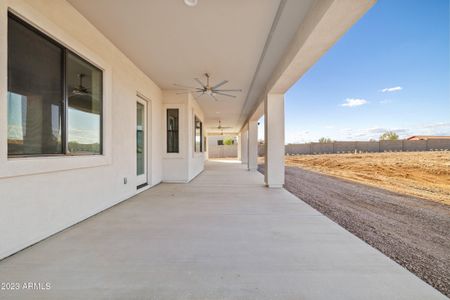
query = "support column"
{"x": 244, "y": 146}
{"x": 252, "y": 145}
{"x": 274, "y": 140}
{"x": 239, "y": 147}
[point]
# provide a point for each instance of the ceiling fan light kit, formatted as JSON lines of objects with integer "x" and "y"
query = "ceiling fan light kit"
{"x": 207, "y": 89}
{"x": 191, "y": 3}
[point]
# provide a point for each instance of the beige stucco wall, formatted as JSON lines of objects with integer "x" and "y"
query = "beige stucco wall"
{"x": 185, "y": 165}
{"x": 41, "y": 196}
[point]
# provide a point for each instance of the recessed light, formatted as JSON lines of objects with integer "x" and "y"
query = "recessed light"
{"x": 191, "y": 3}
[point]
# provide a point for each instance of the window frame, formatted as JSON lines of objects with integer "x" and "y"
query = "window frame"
{"x": 197, "y": 120}
{"x": 64, "y": 101}
{"x": 177, "y": 131}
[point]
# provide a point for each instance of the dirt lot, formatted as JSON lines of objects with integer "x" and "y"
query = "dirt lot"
{"x": 412, "y": 231}
{"x": 421, "y": 174}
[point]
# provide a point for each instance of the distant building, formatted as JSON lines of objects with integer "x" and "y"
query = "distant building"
{"x": 427, "y": 137}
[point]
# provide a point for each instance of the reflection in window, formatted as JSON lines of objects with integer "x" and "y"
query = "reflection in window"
{"x": 172, "y": 130}
{"x": 84, "y": 90}
{"x": 38, "y": 121}
{"x": 34, "y": 92}
{"x": 198, "y": 135}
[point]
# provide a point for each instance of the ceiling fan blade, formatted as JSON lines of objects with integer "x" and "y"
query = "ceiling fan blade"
{"x": 198, "y": 95}
{"x": 223, "y": 94}
{"x": 199, "y": 82}
{"x": 190, "y": 91}
{"x": 215, "y": 90}
{"x": 219, "y": 84}
{"x": 214, "y": 97}
{"x": 185, "y": 86}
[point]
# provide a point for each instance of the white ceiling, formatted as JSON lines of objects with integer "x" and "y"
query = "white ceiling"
{"x": 173, "y": 43}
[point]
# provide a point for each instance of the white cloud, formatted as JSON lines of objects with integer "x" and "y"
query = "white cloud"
{"x": 392, "y": 89}
{"x": 385, "y": 101}
{"x": 367, "y": 133}
{"x": 352, "y": 102}
{"x": 84, "y": 136}
{"x": 437, "y": 125}
{"x": 364, "y": 134}
{"x": 297, "y": 136}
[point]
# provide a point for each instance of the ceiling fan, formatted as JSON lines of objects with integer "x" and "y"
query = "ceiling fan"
{"x": 207, "y": 89}
{"x": 80, "y": 89}
{"x": 220, "y": 127}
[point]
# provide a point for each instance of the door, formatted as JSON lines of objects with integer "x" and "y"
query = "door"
{"x": 141, "y": 142}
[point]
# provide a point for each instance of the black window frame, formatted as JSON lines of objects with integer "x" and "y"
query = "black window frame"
{"x": 175, "y": 132}
{"x": 198, "y": 121}
{"x": 64, "y": 100}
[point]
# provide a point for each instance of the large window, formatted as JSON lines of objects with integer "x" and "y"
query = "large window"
{"x": 172, "y": 130}
{"x": 54, "y": 97}
{"x": 198, "y": 135}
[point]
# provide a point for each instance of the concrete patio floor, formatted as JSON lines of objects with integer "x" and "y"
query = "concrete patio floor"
{"x": 222, "y": 236}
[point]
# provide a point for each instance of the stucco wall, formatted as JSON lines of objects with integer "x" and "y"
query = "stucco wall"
{"x": 222, "y": 151}
{"x": 196, "y": 162}
{"x": 175, "y": 165}
{"x": 185, "y": 165}
{"x": 41, "y": 196}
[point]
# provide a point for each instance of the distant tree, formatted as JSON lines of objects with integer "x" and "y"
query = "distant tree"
{"x": 325, "y": 140}
{"x": 389, "y": 136}
{"x": 372, "y": 140}
{"x": 228, "y": 141}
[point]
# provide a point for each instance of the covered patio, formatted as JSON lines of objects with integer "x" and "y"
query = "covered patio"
{"x": 222, "y": 236}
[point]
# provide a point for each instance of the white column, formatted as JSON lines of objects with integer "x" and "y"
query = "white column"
{"x": 244, "y": 146}
{"x": 252, "y": 145}
{"x": 274, "y": 140}
{"x": 239, "y": 147}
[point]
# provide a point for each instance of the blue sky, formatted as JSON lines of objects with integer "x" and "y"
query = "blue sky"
{"x": 390, "y": 71}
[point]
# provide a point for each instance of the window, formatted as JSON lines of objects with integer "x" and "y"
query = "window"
{"x": 84, "y": 105}
{"x": 198, "y": 135}
{"x": 54, "y": 97}
{"x": 172, "y": 130}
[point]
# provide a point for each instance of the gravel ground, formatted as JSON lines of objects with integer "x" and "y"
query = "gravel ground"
{"x": 420, "y": 174}
{"x": 412, "y": 231}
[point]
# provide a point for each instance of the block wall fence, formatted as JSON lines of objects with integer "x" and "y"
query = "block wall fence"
{"x": 351, "y": 147}
{"x": 223, "y": 151}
